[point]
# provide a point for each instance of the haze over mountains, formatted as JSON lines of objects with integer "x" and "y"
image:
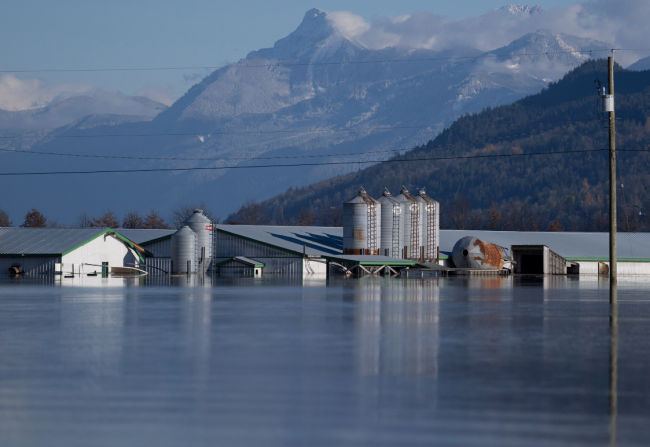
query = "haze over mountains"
{"x": 322, "y": 90}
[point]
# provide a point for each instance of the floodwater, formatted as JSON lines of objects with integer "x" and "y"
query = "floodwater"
{"x": 280, "y": 362}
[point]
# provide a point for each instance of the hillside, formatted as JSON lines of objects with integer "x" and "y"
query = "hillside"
{"x": 315, "y": 92}
{"x": 523, "y": 193}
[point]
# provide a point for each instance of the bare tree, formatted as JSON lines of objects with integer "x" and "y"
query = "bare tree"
{"x": 4, "y": 219}
{"x": 600, "y": 221}
{"x": 34, "y": 219}
{"x": 252, "y": 213}
{"x": 132, "y": 220}
{"x": 305, "y": 218}
{"x": 331, "y": 216}
{"x": 153, "y": 221}
{"x": 83, "y": 221}
{"x": 106, "y": 220}
{"x": 493, "y": 218}
{"x": 182, "y": 212}
{"x": 628, "y": 219}
{"x": 521, "y": 217}
{"x": 458, "y": 213}
{"x": 555, "y": 226}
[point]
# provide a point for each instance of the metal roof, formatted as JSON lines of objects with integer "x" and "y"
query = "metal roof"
{"x": 44, "y": 241}
{"x": 248, "y": 262}
{"x": 570, "y": 245}
{"x": 328, "y": 241}
{"x": 319, "y": 240}
{"x": 141, "y": 237}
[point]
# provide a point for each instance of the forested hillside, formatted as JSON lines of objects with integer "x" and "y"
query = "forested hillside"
{"x": 535, "y": 192}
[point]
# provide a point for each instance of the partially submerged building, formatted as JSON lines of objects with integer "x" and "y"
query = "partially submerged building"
{"x": 294, "y": 250}
{"x": 79, "y": 251}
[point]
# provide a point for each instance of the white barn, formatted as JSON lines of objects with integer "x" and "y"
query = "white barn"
{"x": 38, "y": 250}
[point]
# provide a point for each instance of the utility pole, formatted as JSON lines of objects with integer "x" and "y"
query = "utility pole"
{"x": 613, "y": 273}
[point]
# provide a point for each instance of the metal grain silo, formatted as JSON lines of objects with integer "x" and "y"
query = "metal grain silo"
{"x": 411, "y": 212}
{"x": 361, "y": 225}
{"x": 184, "y": 244}
{"x": 202, "y": 227}
{"x": 392, "y": 226}
{"x": 470, "y": 252}
{"x": 429, "y": 225}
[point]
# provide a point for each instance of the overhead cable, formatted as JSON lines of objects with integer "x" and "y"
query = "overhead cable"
{"x": 408, "y": 160}
{"x": 295, "y": 156}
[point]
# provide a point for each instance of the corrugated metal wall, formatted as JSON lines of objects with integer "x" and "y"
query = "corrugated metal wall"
{"x": 160, "y": 249}
{"x": 31, "y": 266}
{"x": 274, "y": 260}
{"x": 155, "y": 266}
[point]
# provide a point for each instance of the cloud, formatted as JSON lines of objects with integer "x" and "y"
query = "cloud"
{"x": 622, "y": 23}
{"x": 192, "y": 77}
{"x": 163, "y": 95}
{"x": 32, "y": 93}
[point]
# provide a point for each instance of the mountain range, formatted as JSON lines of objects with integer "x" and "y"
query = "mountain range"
{"x": 479, "y": 171}
{"x": 315, "y": 93}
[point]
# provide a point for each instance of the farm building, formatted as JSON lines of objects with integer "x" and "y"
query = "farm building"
{"x": 293, "y": 250}
{"x": 303, "y": 250}
{"x": 82, "y": 251}
{"x": 158, "y": 243}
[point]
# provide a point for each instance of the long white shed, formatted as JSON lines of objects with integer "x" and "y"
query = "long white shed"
{"x": 38, "y": 250}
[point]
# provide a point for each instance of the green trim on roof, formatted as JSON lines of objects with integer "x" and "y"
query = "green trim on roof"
{"x": 85, "y": 242}
{"x": 128, "y": 241}
{"x": 404, "y": 262}
{"x": 109, "y": 230}
{"x": 607, "y": 259}
{"x": 223, "y": 262}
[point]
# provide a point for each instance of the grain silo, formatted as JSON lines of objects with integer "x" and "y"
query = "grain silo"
{"x": 411, "y": 221}
{"x": 429, "y": 225}
{"x": 184, "y": 246}
{"x": 392, "y": 225}
{"x": 202, "y": 227}
{"x": 361, "y": 225}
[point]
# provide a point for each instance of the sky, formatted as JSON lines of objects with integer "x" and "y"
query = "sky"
{"x": 63, "y": 35}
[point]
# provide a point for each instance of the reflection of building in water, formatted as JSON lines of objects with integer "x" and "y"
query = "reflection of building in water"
{"x": 92, "y": 336}
{"x": 397, "y": 327}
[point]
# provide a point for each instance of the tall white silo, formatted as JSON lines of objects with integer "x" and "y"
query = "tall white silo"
{"x": 202, "y": 226}
{"x": 361, "y": 225}
{"x": 411, "y": 212}
{"x": 184, "y": 245}
{"x": 429, "y": 225}
{"x": 392, "y": 225}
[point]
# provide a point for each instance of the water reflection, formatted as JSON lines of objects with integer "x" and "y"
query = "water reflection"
{"x": 474, "y": 361}
{"x": 613, "y": 362}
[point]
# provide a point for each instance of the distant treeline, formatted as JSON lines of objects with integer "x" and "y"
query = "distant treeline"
{"x": 567, "y": 192}
{"x": 108, "y": 219}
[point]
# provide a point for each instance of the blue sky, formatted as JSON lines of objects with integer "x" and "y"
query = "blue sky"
{"x": 49, "y": 34}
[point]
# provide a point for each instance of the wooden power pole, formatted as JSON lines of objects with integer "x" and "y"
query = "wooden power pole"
{"x": 613, "y": 273}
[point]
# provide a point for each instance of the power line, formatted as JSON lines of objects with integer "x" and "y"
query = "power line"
{"x": 299, "y": 64}
{"x": 301, "y": 164}
{"x": 242, "y": 132}
{"x": 296, "y": 156}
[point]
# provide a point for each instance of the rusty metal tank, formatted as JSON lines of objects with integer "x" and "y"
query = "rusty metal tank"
{"x": 472, "y": 253}
{"x": 361, "y": 225}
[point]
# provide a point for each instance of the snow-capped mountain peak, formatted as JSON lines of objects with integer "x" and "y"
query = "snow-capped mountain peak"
{"x": 314, "y": 32}
{"x": 520, "y": 9}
